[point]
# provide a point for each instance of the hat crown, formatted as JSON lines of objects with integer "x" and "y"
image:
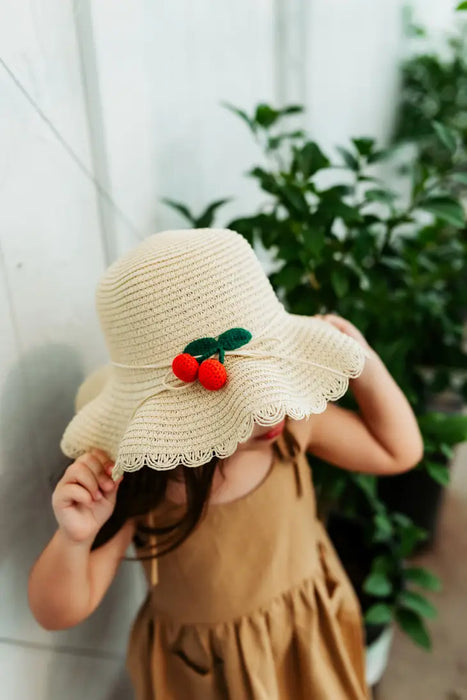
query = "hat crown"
{"x": 177, "y": 286}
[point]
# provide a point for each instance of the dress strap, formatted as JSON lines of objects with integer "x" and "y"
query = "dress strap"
{"x": 298, "y": 475}
{"x": 154, "y": 577}
{"x": 285, "y": 454}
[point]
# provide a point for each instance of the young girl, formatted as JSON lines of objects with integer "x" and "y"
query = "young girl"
{"x": 192, "y": 445}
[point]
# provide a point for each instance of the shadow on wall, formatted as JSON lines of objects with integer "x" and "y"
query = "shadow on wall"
{"x": 36, "y": 403}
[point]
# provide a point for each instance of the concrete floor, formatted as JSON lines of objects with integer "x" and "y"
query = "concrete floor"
{"x": 413, "y": 674}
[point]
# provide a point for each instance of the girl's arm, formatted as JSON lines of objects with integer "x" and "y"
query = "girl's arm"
{"x": 68, "y": 581}
{"x": 383, "y": 438}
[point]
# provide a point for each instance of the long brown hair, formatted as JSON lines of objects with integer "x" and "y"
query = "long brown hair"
{"x": 144, "y": 490}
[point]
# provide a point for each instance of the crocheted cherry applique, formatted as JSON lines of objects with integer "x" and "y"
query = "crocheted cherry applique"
{"x": 185, "y": 367}
{"x": 194, "y": 362}
{"x": 212, "y": 374}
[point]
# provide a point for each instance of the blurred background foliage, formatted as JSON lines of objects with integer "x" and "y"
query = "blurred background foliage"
{"x": 377, "y": 235}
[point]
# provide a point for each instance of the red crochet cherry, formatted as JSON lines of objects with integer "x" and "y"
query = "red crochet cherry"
{"x": 212, "y": 374}
{"x": 185, "y": 367}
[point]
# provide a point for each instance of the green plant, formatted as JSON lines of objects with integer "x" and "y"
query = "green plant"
{"x": 391, "y": 582}
{"x": 434, "y": 92}
{"x": 385, "y": 583}
{"x": 394, "y": 269}
{"x": 389, "y": 590}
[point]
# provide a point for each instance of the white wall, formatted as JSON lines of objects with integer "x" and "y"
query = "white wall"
{"x": 164, "y": 69}
{"x": 51, "y": 255}
{"x": 134, "y": 88}
{"x": 352, "y": 53}
{"x": 437, "y": 16}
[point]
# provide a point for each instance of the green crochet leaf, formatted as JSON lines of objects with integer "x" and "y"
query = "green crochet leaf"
{"x": 234, "y": 338}
{"x": 202, "y": 346}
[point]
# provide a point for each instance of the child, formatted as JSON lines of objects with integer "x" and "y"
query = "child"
{"x": 192, "y": 444}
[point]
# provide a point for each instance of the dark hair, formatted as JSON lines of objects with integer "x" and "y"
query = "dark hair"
{"x": 144, "y": 490}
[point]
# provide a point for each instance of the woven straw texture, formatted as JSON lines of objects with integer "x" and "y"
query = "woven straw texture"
{"x": 179, "y": 286}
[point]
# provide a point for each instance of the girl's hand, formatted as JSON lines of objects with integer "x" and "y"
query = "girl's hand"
{"x": 84, "y": 498}
{"x": 345, "y": 327}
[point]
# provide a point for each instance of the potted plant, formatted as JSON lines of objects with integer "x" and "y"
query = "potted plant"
{"x": 392, "y": 269}
{"x": 431, "y": 117}
{"x": 373, "y": 545}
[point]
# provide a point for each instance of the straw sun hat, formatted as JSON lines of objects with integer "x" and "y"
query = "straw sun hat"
{"x": 202, "y": 297}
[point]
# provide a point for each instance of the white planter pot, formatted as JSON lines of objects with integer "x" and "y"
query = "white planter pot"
{"x": 377, "y": 656}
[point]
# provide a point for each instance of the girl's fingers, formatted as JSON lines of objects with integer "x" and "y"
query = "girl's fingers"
{"x": 346, "y": 327}
{"x": 102, "y": 456}
{"x": 113, "y": 494}
{"x": 92, "y": 461}
{"x": 81, "y": 474}
{"x": 339, "y": 322}
{"x": 98, "y": 465}
{"x": 75, "y": 493}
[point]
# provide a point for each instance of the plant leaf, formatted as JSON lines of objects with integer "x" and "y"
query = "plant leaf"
{"x": 367, "y": 483}
{"x": 446, "y": 136}
{"x": 292, "y": 109}
{"x": 439, "y": 472}
{"x": 234, "y": 338}
{"x": 275, "y": 141}
{"x": 246, "y": 226}
{"x": 383, "y": 524}
{"x": 382, "y": 564}
{"x": 364, "y": 145}
{"x": 422, "y": 577}
{"x": 417, "y": 603}
{"x": 202, "y": 346}
{"x": 443, "y": 427}
{"x": 314, "y": 240}
{"x": 446, "y": 209}
{"x": 266, "y": 116}
{"x": 294, "y": 199}
{"x": 462, "y": 6}
{"x": 402, "y": 520}
{"x": 446, "y": 450}
{"x": 379, "y": 614}
{"x": 340, "y": 282}
{"x": 240, "y": 113}
{"x": 378, "y": 195}
{"x": 377, "y": 584}
{"x": 288, "y": 277}
{"x": 413, "y": 625}
{"x": 381, "y": 155}
{"x": 408, "y": 534}
{"x": 181, "y": 208}
{"x": 206, "y": 218}
{"x": 310, "y": 159}
{"x": 267, "y": 181}
{"x": 460, "y": 177}
{"x": 349, "y": 159}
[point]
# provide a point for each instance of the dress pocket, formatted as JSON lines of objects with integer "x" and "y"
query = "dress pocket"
{"x": 339, "y": 588}
{"x": 332, "y": 583}
{"x": 343, "y": 603}
{"x": 192, "y": 676}
{"x": 201, "y": 670}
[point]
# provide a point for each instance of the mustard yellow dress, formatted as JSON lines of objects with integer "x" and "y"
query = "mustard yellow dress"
{"x": 254, "y": 605}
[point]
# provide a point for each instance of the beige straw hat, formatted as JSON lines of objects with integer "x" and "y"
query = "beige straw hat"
{"x": 252, "y": 360}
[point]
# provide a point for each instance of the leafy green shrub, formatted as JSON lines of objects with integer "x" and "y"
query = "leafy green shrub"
{"x": 396, "y": 270}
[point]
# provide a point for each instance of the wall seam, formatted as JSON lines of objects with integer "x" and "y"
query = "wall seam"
{"x": 290, "y": 55}
{"x": 95, "y": 123}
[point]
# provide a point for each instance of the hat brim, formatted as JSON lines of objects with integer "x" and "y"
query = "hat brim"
{"x": 191, "y": 426}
